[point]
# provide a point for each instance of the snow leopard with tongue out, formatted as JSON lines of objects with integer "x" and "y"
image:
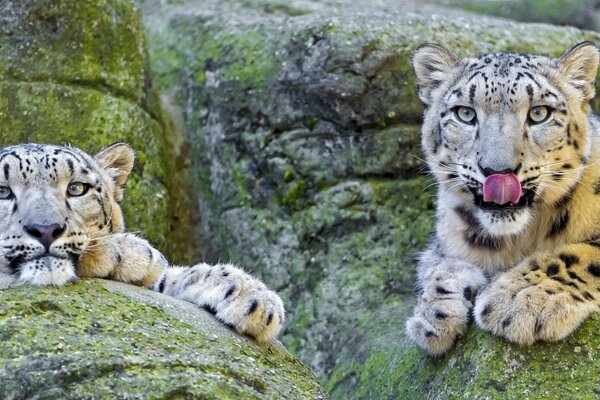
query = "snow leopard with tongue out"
{"x": 515, "y": 149}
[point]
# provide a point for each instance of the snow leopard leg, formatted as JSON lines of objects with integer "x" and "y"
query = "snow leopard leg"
{"x": 447, "y": 287}
{"x": 233, "y": 296}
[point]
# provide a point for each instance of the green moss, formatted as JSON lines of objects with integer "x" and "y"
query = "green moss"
{"x": 244, "y": 56}
{"x": 81, "y": 339}
{"x": 294, "y": 193}
{"x": 481, "y": 366}
{"x": 99, "y": 44}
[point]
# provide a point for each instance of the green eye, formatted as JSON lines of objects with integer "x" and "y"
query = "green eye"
{"x": 77, "y": 189}
{"x": 466, "y": 115}
{"x": 5, "y": 193}
{"x": 539, "y": 114}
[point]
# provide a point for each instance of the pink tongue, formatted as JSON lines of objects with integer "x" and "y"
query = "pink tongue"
{"x": 502, "y": 188}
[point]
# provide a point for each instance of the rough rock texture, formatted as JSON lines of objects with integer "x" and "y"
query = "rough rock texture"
{"x": 77, "y": 72}
{"x": 302, "y": 128}
{"x": 107, "y": 340}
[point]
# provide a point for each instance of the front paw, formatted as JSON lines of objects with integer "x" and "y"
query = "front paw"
{"x": 524, "y": 306}
{"x": 435, "y": 325}
{"x": 443, "y": 311}
{"x": 236, "y": 298}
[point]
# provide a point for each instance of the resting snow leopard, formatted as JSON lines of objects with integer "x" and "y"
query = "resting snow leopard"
{"x": 516, "y": 151}
{"x": 61, "y": 219}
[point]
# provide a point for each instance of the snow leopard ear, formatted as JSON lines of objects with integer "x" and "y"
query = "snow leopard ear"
{"x": 432, "y": 64}
{"x": 117, "y": 160}
{"x": 579, "y": 65}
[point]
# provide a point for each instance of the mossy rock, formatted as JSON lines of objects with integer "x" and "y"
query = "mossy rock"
{"x": 101, "y": 339}
{"x": 302, "y": 121}
{"x": 99, "y": 44}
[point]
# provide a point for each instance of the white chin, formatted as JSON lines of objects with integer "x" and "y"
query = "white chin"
{"x": 47, "y": 271}
{"x": 505, "y": 222}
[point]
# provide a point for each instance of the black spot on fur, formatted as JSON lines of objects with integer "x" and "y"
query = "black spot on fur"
{"x": 474, "y": 233}
{"x": 230, "y": 291}
{"x": 539, "y": 325}
{"x": 565, "y": 199}
{"x": 457, "y": 92}
{"x": 440, "y": 315}
{"x": 596, "y": 187}
{"x": 210, "y": 309}
{"x": 441, "y": 290}
{"x": 534, "y": 265}
{"x": 269, "y": 319}
{"x": 588, "y": 296}
{"x": 593, "y": 241}
{"x": 529, "y": 89}
{"x": 71, "y": 166}
{"x": 468, "y": 293}
{"x": 568, "y": 259}
{"x": 486, "y": 310}
{"x": 559, "y": 224}
{"x": 161, "y": 285}
{"x": 472, "y": 93}
{"x": 552, "y": 269}
{"x": 573, "y": 275}
{"x": 253, "y": 307}
{"x": 6, "y": 171}
{"x": 575, "y": 144}
{"x": 506, "y": 322}
{"x": 564, "y": 281}
{"x": 549, "y": 291}
{"x": 594, "y": 269}
{"x": 193, "y": 279}
{"x": 576, "y": 298}
{"x": 429, "y": 334}
{"x": 227, "y": 324}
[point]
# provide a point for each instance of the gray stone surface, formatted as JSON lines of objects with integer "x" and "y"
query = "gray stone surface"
{"x": 107, "y": 340}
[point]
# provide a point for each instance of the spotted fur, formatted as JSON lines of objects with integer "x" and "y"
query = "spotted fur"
{"x": 535, "y": 265}
{"x": 61, "y": 219}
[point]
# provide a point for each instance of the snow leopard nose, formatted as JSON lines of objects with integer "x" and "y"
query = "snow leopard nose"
{"x": 490, "y": 171}
{"x": 46, "y": 234}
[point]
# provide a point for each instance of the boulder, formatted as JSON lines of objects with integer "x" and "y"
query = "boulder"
{"x": 301, "y": 125}
{"x": 104, "y": 339}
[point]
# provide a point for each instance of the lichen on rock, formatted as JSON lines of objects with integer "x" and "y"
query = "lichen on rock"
{"x": 110, "y": 340}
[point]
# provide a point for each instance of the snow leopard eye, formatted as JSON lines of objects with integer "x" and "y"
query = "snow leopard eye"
{"x": 466, "y": 114}
{"x": 5, "y": 193}
{"x": 539, "y": 114}
{"x": 76, "y": 189}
